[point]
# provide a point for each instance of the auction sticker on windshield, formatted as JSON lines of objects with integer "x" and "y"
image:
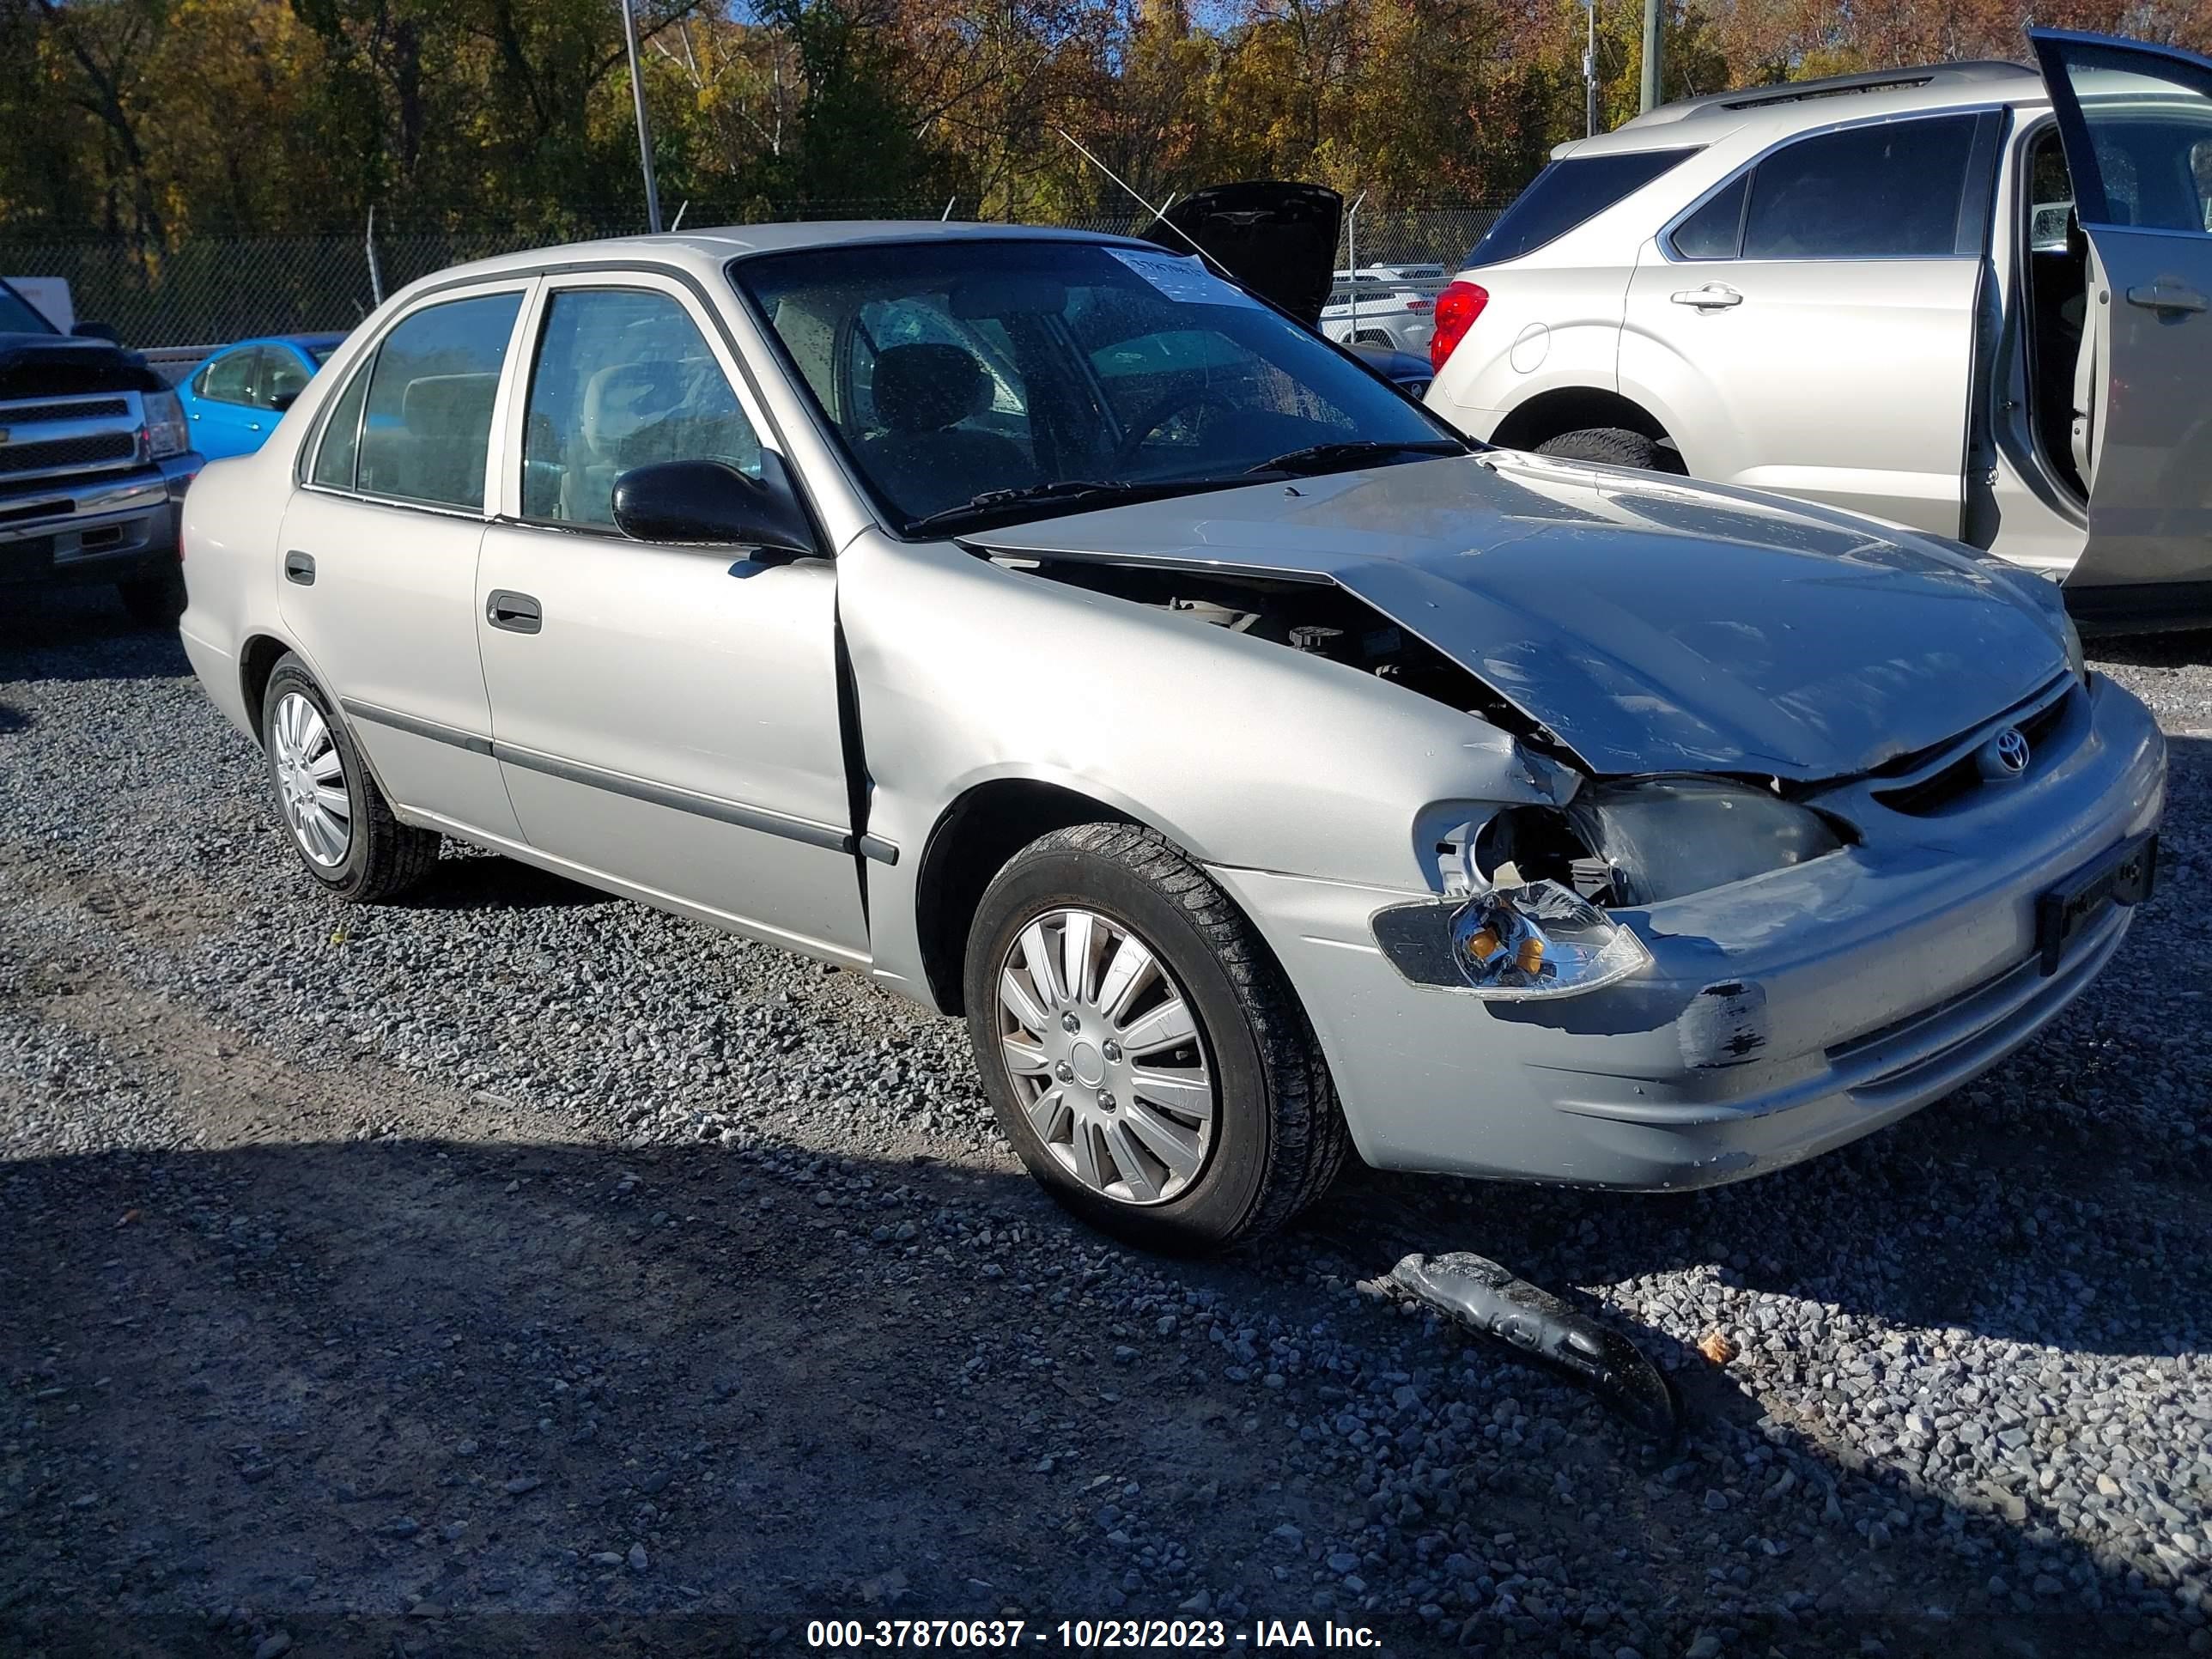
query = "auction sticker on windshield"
{"x": 1183, "y": 278}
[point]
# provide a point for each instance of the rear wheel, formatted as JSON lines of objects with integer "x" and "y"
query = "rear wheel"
{"x": 1614, "y": 446}
{"x": 1143, "y": 1053}
{"x": 155, "y": 600}
{"x": 341, "y": 825}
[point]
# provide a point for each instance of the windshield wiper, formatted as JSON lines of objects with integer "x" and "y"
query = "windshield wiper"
{"x": 1060, "y": 489}
{"x": 1324, "y": 457}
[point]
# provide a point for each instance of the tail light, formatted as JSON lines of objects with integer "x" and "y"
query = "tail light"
{"x": 1457, "y": 308}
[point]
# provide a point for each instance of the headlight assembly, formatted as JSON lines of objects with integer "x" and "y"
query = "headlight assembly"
{"x": 165, "y": 425}
{"x": 1666, "y": 838}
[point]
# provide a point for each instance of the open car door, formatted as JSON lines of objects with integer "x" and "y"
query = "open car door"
{"x": 2137, "y": 125}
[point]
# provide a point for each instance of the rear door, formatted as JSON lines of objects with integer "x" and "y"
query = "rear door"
{"x": 378, "y": 584}
{"x": 2137, "y": 123}
{"x": 223, "y": 419}
{"x": 1808, "y": 325}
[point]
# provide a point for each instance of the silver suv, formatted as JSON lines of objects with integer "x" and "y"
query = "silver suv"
{"x": 1970, "y": 299}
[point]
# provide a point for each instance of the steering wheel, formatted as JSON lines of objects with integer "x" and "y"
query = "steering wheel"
{"x": 1159, "y": 414}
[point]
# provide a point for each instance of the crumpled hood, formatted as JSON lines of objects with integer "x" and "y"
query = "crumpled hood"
{"x": 1648, "y": 623}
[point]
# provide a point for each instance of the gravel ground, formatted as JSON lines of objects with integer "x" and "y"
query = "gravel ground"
{"x": 519, "y": 1270}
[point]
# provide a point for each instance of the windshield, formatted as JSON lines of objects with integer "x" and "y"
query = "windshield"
{"x": 955, "y": 369}
{"x": 18, "y": 316}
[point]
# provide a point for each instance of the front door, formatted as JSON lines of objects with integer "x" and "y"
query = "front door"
{"x": 2137, "y": 123}
{"x": 667, "y": 716}
{"x": 223, "y": 419}
{"x": 1809, "y": 326}
{"x": 380, "y": 554}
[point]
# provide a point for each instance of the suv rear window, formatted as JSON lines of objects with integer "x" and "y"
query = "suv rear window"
{"x": 1565, "y": 194}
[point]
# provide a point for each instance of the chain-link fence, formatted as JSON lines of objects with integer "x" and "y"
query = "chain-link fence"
{"x": 208, "y": 290}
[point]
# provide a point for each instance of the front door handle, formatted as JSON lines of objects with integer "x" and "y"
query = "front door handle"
{"x": 300, "y": 568}
{"x": 518, "y": 613}
{"x": 2157, "y": 296}
{"x": 1713, "y": 296}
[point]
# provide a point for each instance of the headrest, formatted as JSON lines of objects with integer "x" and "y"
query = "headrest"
{"x": 929, "y": 387}
{"x": 623, "y": 397}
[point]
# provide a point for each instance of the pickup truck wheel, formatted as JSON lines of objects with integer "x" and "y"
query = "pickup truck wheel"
{"x": 340, "y": 823}
{"x": 1614, "y": 446}
{"x": 155, "y": 600}
{"x": 1142, "y": 1050}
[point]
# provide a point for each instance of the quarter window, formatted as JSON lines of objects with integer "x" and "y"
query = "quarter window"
{"x": 334, "y": 461}
{"x": 623, "y": 379}
{"x": 1891, "y": 191}
{"x": 1715, "y": 231}
{"x": 428, "y": 427}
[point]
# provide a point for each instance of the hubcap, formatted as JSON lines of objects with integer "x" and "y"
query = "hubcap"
{"x": 310, "y": 784}
{"x": 1105, "y": 1057}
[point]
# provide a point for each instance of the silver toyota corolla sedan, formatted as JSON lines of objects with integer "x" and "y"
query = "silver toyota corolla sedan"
{"x": 1066, "y": 639}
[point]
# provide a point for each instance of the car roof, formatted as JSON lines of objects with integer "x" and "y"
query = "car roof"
{"x": 1792, "y": 106}
{"x": 706, "y": 250}
{"x": 320, "y": 339}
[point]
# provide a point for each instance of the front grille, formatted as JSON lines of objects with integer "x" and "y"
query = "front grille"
{"x": 80, "y": 409}
{"x": 1931, "y": 793}
{"x": 69, "y": 452}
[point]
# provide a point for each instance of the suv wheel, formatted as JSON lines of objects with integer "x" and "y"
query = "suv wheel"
{"x": 341, "y": 825}
{"x": 1614, "y": 446}
{"x": 1142, "y": 1051}
{"x": 155, "y": 600}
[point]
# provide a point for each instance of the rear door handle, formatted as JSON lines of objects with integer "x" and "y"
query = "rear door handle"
{"x": 2157, "y": 296}
{"x": 518, "y": 613}
{"x": 300, "y": 568}
{"x": 1711, "y": 297}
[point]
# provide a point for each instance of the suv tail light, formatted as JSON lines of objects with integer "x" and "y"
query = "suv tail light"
{"x": 1457, "y": 308}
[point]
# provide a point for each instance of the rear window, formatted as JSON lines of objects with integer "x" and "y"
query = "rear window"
{"x": 1565, "y": 194}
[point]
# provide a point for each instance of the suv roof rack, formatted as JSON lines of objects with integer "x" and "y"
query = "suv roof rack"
{"x": 1794, "y": 92}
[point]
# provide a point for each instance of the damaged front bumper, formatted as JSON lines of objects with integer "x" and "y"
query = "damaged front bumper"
{"x": 1781, "y": 1017}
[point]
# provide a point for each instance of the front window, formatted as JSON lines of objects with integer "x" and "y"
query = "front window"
{"x": 1070, "y": 369}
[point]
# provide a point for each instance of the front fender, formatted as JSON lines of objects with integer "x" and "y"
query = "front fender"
{"x": 1244, "y": 752}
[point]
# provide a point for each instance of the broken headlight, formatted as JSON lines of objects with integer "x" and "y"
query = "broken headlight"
{"x": 1538, "y": 939}
{"x": 1665, "y": 838}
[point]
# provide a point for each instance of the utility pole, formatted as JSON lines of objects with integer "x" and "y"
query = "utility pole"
{"x": 1651, "y": 54}
{"x": 1590, "y": 71}
{"x": 644, "y": 129}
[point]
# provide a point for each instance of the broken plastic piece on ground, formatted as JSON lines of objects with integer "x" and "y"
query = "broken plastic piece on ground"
{"x": 1476, "y": 1293}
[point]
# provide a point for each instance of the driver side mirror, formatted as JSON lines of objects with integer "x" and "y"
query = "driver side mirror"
{"x": 712, "y": 504}
{"x": 281, "y": 401}
{"x": 97, "y": 331}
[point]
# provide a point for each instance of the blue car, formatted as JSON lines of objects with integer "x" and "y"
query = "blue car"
{"x": 233, "y": 400}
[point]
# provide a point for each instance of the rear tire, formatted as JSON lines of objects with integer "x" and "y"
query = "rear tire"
{"x": 358, "y": 851}
{"x": 1270, "y": 1138}
{"x": 1613, "y": 445}
{"x": 155, "y": 600}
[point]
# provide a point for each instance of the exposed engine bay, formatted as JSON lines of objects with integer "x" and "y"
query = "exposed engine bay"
{"x": 1319, "y": 618}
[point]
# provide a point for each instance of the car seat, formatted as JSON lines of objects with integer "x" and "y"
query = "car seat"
{"x": 924, "y": 459}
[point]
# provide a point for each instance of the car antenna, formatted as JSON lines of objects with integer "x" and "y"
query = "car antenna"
{"x": 1158, "y": 212}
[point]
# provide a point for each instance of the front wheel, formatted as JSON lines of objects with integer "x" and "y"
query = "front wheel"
{"x": 155, "y": 600}
{"x": 341, "y": 825}
{"x": 1142, "y": 1051}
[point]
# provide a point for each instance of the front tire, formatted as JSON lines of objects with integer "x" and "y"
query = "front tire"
{"x": 155, "y": 600}
{"x": 1143, "y": 1053}
{"x": 340, "y": 823}
{"x": 1614, "y": 446}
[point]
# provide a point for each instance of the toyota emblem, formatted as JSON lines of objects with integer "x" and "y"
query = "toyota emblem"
{"x": 2005, "y": 755}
